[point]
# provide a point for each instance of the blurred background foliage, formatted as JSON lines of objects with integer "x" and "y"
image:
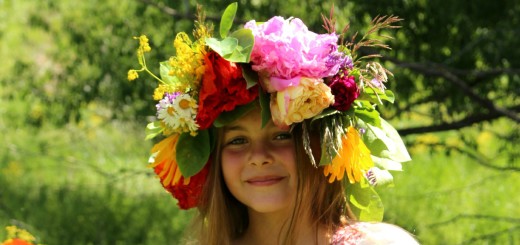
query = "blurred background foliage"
{"x": 72, "y": 158}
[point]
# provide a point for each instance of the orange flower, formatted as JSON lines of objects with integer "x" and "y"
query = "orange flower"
{"x": 185, "y": 190}
{"x": 16, "y": 241}
{"x": 353, "y": 158}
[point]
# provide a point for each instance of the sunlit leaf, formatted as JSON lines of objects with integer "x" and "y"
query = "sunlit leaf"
{"x": 153, "y": 129}
{"x": 366, "y": 203}
{"x": 164, "y": 72}
{"x": 227, "y": 19}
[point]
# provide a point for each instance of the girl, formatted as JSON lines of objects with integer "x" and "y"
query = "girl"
{"x": 271, "y": 131}
{"x": 262, "y": 189}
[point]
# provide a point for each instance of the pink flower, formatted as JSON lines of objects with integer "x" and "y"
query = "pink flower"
{"x": 286, "y": 49}
{"x": 345, "y": 91}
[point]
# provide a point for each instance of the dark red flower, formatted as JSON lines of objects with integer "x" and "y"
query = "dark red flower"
{"x": 345, "y": 91}
{"x": 222, "y": 89}
{"x": 188, "y": 196}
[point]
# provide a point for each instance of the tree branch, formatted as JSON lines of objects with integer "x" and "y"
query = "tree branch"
{"x": 186, "y": 15}
{"x": 439, "y": 71}
{"x": 476, "y": 216}
{"x": 478, "y": 158}
{"x": 468, "y": 121}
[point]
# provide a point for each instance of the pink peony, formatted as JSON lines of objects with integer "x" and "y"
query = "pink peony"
{"x": 286, "y": 49}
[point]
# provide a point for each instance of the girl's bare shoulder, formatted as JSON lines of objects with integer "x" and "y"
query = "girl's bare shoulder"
{"x": 372, "y": 233}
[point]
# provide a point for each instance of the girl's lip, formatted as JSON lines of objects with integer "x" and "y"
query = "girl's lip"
{"x": 264, "y": 180}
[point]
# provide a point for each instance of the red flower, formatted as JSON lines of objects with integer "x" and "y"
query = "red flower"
{"x": 188, "y": 194}
{"x": 345, "y": 91}
{"x": 223, "y": 88}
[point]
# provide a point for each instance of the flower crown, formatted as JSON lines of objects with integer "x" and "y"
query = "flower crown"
{"x": 298, "y": 77}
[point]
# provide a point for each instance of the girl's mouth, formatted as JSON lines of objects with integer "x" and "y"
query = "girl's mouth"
{"x": 264, "y": 180}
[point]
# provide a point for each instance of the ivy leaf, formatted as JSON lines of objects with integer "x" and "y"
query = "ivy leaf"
{"x": 250, "y": 75}
{"x": 227, "y": 19}
{"x": 153, "y": 129}
{"x": 366, "y": 203}
{"x": 228, "y": 117}
{"x": 193, "y": 152}
{"x": 264, "y": 99}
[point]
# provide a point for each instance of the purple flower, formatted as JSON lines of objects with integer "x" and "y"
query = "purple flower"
{"x": 166, "y": 100}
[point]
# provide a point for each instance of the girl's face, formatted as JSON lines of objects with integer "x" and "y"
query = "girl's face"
{"x": 259, "y": 165}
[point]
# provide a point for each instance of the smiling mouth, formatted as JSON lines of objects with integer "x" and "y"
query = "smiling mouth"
{"x": 265, "y": 181}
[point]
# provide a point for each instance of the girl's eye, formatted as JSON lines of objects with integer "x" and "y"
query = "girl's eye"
{"x": 237, "y": 141}
{"x": 283, "y": 136}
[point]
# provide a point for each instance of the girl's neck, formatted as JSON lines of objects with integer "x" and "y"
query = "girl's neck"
{"x": 272, "y": 228}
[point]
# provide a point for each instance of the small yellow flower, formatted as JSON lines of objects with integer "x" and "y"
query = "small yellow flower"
{"x": 353, "y": 158}
{"x": 132, "y": 75}
{"x": 143, "y": 43}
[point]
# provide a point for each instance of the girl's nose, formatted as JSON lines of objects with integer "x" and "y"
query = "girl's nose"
{"x": 261, "y": 154}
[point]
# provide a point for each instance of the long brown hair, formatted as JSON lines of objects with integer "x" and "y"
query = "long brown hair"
{"x": 222, "y": 218}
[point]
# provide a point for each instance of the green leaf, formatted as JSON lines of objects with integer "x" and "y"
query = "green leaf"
{"x": 223, "y": 47}
{"x": 383, "y": 177}
{"x": 385, "y": 142}
{"x": 153, "y": 129}
{"x": 227, "y": 19}
{"x": 193, "y": 152}
{"x": 325, "y": 113}
{"x": 237, "y": 47}
{"x": 401, "y": 153}
{"x": 246, "y": 41}
{"x": 264, "y": 99}
{"x": 250, "y": 75}
{"x": 228, "y": 117}
{"x": 375, "y": 95}
{"x": 164, "y": 72}
{"x": 368, "y": 115}
{"x": 387, "y": 164}
{"x": 366, "y": 203}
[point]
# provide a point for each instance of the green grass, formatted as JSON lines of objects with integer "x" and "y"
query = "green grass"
{"x": 446, "y": 197}
{"x": 87, "y": 183}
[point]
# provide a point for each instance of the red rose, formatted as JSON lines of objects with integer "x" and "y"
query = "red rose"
{"x": 187, "y": 195}
{"x": 223, "y": 88}
{"x": 345, "y": 91}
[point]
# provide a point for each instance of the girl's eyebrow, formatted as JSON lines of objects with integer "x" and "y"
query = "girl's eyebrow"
{"x": 234, "y": 128}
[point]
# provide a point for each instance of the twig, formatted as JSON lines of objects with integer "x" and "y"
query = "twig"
{"x": 439, "y": 71}
{"x": 491, "y": 235}
{"x": 186, "y": 15}
{"x": 479, "y": 159}
{"x": 467, "y": 121}
{"x": 475, "y": 216}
